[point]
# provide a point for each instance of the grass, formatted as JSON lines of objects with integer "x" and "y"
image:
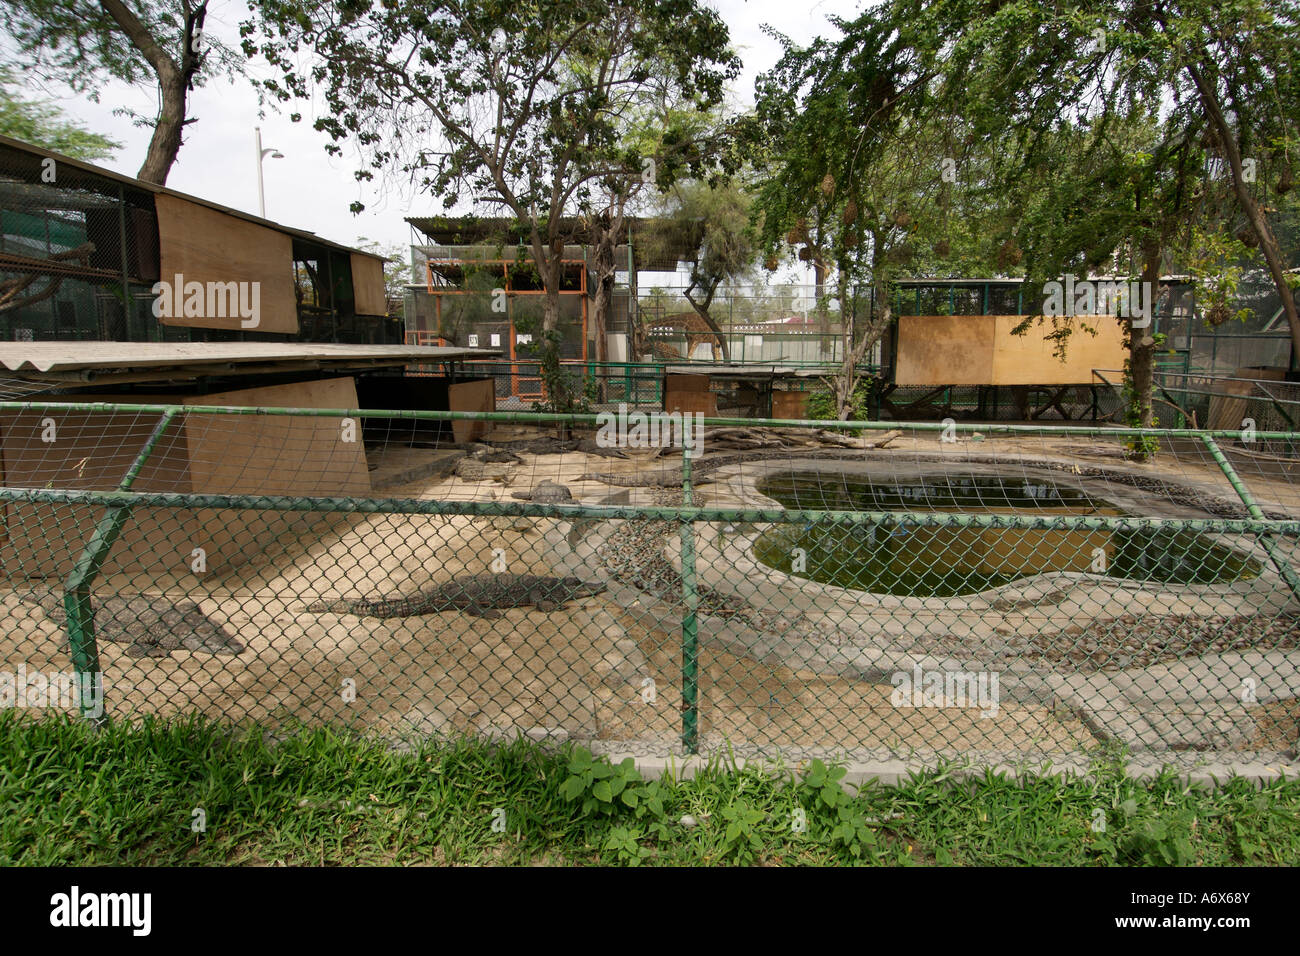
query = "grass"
{"x": 193, "y": 792}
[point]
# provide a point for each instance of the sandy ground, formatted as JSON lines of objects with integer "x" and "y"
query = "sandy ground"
{"x": 594, "y": 669}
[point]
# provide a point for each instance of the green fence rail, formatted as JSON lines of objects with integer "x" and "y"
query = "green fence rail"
{"x": 919, "y": 588}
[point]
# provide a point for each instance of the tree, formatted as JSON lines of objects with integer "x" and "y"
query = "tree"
{"x": 1057, "y": 90}
{"x": 1093, "y": 121}
{"x": 719, "y": 215}
{"x": 852, "y": 181}
{"x": 513, "y": 105}
{"x": 44, "y": 124}
{"x": 674, "y": 139}
{"x": 156, "y": 42}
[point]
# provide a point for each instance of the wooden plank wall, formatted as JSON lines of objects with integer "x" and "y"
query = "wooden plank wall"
{"x": 205, "y": 245}
{"x": 981, "y": 350}
{"x": 368, "y": 285}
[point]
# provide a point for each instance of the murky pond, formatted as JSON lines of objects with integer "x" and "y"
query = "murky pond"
{"x": 898, "y": 557}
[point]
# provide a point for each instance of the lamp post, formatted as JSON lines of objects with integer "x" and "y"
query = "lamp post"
{"x": 261, "y": 155}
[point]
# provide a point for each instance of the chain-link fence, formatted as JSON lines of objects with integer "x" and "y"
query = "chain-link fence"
{"x": 879, "y": 590}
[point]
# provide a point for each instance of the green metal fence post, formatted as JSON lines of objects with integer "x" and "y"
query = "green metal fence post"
{"x": 1266, "y": 540}
{"x": 76, "y": 596}
{"x": 690, "y": 626}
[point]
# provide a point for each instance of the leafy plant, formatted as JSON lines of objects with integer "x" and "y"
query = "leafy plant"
{"x": 821, "y": 404}
{"x": 741, "y": 837}
{"x": 849, "y": 826}
{"x": 603, "y": 788}
{"x": 626, "y": 843}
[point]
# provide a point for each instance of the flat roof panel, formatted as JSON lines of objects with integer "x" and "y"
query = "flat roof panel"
{"x": 77, "y": 356}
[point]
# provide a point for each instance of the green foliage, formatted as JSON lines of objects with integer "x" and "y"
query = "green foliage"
{"x": 516, "y": 106}
{"x": 565, "y": 392}
{"x": 1146, "y": 837}
{"x": 625, "y": 843}
{"x": 149, "y": 43}
{"x": 44, "y": 124}
{"x": 821, "y": 403}
{"x": 280, "y": 798}
{"x": 741, "y": 838}
{"x": 603, "y": 788}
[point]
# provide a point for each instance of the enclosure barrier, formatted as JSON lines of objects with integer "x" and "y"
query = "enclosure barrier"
{"x": 796, "y": 587}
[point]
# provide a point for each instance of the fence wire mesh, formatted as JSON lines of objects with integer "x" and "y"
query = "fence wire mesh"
{"x": 878, "y": 590}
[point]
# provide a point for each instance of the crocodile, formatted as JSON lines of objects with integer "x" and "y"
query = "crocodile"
{"x": 672, "y": 477}
{"x": 554, "y": 446}
{"x": 480, "y": 594}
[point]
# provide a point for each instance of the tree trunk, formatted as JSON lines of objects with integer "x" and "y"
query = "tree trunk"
{"x": 1258, "y": 221}
{"x": 1142, "y": 351}
{"x": 846, "y": 382}
{"x": 823, "y": 312}
{"x": 702, "y": 309}
{"x": 174, "y": 81}
{"x": 165, "y": 143}
{"x": 605, "y": 230}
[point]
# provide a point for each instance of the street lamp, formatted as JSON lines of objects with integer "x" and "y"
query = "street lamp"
{"x": 261, "y": 155}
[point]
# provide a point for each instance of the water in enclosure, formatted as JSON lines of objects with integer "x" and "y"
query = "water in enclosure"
{"x": 895, "y": 557}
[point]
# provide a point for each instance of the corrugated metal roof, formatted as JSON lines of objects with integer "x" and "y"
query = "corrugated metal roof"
{"x": 77, "y": 356}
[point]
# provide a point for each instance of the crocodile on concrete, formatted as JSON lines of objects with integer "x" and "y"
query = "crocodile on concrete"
{"x": 480, "y": 594}
{"x": 672, "y": 477}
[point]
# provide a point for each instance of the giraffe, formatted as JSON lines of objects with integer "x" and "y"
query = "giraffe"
{"x": 696, "y": 329}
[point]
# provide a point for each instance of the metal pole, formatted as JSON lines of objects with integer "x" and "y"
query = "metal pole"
{"x": 261, "y": 192}
{"x": 1266, "y": 540}
{"x": 690, "y": 624}
{"x": 989, "y": 428}
{"x": 76, "y": 597}
{"x": 126, "y": 277}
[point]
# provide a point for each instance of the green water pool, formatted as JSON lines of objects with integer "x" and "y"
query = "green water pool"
{"x": 895, "y": 557}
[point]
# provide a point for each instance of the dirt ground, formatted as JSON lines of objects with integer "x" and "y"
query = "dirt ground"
{"x": 593, "y": 669}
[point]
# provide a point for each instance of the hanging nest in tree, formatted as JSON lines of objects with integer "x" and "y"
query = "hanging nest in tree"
{"x": 850, "y": 214}
{"x": 805, "y": 253}
{"x": 1248, "y": 237}
{"x": 828, "y": 185}
{"x": 1218, "y": 314}
{"x": 771, "y": 263}
{"x": 942, "y": 247}
{"x": 850, "y": 240}
{"x": 901, "y": 219}
{"x": 1284, "y": 181}
{"x": 902, "y": 253}
{"x": 792, "y": 237}
{"x": 1009, "y": 254}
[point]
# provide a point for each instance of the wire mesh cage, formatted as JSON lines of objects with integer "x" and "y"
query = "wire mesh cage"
{"x": 660, "y": 585}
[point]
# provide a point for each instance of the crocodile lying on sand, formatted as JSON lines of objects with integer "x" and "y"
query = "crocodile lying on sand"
{"x": 480, "y": 594}
{"x": 700, "y": 470}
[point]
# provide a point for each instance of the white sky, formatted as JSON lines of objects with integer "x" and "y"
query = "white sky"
{"x": 309, "y": 189}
